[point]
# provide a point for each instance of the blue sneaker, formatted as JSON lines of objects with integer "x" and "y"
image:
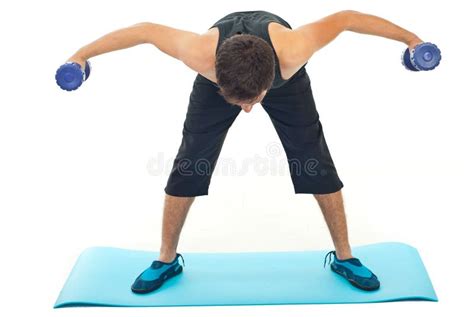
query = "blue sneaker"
{"x": 353, "y": 271}
{"x": 154, "y": 276}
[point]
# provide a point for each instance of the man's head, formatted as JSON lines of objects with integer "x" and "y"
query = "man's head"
{"x": 245, "y": 69}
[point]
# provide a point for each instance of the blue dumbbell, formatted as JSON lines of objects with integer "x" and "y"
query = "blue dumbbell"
{"x": 425, "y": 56}
{"x": 70, "y": 75}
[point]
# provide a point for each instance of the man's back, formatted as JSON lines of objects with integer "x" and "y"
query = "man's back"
{"x": 263, "y": 24}
{"x": 247, "y": 22}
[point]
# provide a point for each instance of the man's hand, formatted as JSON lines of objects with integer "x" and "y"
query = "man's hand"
{"x": 414, "y": 42}
{"x": 78, "y": 59}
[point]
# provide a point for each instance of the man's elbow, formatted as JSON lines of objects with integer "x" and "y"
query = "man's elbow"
{"x": 145, "y": 31}
{"x": 346, "y": 18}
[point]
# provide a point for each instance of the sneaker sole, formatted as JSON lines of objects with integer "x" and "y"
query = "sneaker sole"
{"x": 354, "y": 283}
{"x": 160, "y": 283}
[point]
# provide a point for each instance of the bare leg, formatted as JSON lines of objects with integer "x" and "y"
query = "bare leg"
{"x": 174, "y": 215}
{"x": 332, "y": 207}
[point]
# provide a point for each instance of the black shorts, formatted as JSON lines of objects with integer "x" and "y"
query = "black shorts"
{"x": 292, "y": 111}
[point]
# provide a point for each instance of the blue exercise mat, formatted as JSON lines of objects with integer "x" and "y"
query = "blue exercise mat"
{"x": 102, "y": 277}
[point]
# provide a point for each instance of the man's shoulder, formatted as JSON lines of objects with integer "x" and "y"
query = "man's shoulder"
{"x": 277, "y": 33}
{"x": 204, "y": 53}
{"x": 287, "y": 49}
{"x": 201, "y": 54}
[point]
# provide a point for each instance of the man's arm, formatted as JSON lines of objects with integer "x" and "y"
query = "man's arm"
{"x": 373, "y": 25}
{"x": 304, "y": 41}
{"x": 182, "y": 45}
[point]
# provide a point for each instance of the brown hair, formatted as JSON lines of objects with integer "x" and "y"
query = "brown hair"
{"x": 245, "y": 67}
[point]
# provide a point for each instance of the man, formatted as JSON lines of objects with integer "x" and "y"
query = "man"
{"x": 246, "y": 58}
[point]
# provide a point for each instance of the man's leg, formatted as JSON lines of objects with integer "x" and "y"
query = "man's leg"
{"x": 332, "y": 207}
{"x": 344, "y": 264}
{"x": 293, "y": 113}
{"x": 174, "y": 214}
{"x": 208, "y": 119}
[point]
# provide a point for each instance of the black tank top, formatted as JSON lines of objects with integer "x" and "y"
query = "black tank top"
{"x": 254, "y": 23}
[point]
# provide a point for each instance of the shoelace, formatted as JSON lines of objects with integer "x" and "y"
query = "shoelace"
{"x": 330, "y": 255}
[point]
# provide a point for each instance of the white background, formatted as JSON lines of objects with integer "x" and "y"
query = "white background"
{"x": 81, "y": 169}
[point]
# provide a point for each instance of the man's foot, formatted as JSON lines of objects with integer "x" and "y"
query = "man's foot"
{"x": 353, "y": 271}
{"x": 154, "y": 276}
